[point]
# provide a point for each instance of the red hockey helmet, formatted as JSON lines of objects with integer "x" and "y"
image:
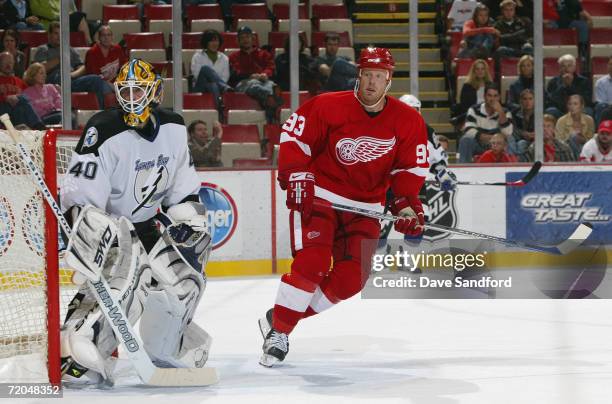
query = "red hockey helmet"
{"x": 376, "y": 58}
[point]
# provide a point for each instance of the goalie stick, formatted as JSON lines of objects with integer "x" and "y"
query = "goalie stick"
{"x": 533, "y": 171}
{"x": 118, "y": 320}
{"x": 580, "y": 234}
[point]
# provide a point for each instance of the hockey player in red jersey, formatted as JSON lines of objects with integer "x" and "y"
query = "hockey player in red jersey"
{"x": 345, "y": 147}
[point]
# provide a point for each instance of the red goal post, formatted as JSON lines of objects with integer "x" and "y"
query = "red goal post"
{"x": 34, "y": 291}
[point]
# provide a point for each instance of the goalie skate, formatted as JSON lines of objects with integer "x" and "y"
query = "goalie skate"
{"x": 276, "y": 344}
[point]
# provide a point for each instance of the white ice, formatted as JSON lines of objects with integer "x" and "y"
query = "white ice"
{"x": 391, "y": 351}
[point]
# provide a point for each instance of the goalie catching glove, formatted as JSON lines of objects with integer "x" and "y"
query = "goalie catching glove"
{"x": 410, "y": 211}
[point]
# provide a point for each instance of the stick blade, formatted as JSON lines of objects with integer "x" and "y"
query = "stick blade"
{"x": 582, "y": 232}
{"x": 181, "y": 377}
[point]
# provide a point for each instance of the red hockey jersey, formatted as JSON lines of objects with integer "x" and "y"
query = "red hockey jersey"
{"x": 355, "y": 157}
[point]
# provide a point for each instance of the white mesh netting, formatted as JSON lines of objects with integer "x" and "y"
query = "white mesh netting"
{"x": 23, "y": 303}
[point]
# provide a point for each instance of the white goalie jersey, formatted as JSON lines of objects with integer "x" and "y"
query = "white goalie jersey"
{"x": 127, "y": 173}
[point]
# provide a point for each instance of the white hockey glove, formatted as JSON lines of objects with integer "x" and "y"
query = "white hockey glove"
{"x": 93, "y": 235}
{"x": 189, "y": 232}
{"x": 447, "y": 181}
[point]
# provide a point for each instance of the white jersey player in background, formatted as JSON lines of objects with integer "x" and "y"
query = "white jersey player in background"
{"x": 130, "y": 162}
{"x": 438, "y": 162}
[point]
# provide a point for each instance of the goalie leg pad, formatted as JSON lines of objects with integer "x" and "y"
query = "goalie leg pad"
{"x": 171, "y": 306}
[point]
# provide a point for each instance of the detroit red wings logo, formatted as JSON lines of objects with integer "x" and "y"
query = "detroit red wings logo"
{"x": 363, "y": 149}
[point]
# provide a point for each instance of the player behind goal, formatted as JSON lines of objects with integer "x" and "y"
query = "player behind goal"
{"x": 130, "y": 162}
{"x": 345, "y": 147}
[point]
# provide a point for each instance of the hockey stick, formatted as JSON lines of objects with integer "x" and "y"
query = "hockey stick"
{"x": 147, "y": 371}
{"x": 533, "y": 171}
{"x": 580, "y": 234}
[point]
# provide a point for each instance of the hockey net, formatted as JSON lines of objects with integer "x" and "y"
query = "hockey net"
{"x": 34, "y": 289}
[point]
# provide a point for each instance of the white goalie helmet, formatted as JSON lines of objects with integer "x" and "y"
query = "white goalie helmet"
{"x": 412, "y": 101}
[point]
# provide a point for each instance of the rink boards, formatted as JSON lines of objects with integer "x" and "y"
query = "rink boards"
{"x": 251, "y": 220}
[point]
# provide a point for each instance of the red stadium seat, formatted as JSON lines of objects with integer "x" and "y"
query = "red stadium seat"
{"x": 230, "y": 40}
{"x": 272, "y": 133}
{"x": 601, "y": 35}
{"x": 204, "y": 12}
{"x": 276, "y": 39}
{"x": 34, "y": 38}
{"x": 509, "y": 66}
{"x": 120, "y": 12}
{"x": 599, "y": 65}
{"x": 144, "y": 40}
{"x": 250, "y": 11}
{"x": 318, "y": 39}
{"x": 463, "y": 66}
{"x": 302, "y": 98}
{"x": 325, "y": 11}
{"x": 191, "y": 40}
{"x": 560, "y": 36}
{"x": 158, "y": 12}
{"x": 252, "y": 163}
{"x": 87, "y": 101}
{"x": 239, "y": 101}
{"x": 240, "y": 133}
{"x": 281, "y": 11}
{"x": 199, "y": 101}
{"x": 597, "y": 7}
{"x": 456, "y": 38}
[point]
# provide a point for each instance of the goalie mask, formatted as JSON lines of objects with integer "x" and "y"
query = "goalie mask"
{"x": 137, "y": 88}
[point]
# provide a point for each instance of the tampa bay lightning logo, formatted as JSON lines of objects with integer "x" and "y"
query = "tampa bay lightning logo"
{"x": 7, "y": 225}
{"x": 151, "y": 181}
{"x": 221, "y": 212}
{"x": 91, "y": 137}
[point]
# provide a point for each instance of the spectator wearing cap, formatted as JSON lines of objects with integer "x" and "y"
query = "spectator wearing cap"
{"x": 514, "y": 32}
{"x": 575, "y": 127}
{"x": 210, "y": 67}
{"x": 597, "y": 150}
{"x": 251, "y": 69}
{"x": 497, "y": 153}
{"x": 567, "y": 83}
{"x": 603, "y": 93}
{"x": 482, "y": 122}
{"x": 554, "y": 149}
{"x": 335, "y": 73}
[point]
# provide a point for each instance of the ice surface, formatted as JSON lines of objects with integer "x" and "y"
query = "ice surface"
{"x": 392, "y": 351}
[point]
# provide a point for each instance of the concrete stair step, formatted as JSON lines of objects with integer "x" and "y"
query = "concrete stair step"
{"x": 402, "y": 55}
{"x": 392, "y": 28}
{"x": 423, "y": 66}
{"x": 393, "y": 38}
{"x": 436, "y": 115}
{"x": 402, "y": 84}
{"x": 401, "y": 15}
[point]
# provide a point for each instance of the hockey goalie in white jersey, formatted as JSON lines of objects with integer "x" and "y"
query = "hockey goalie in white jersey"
{"x": 129, "y": 163}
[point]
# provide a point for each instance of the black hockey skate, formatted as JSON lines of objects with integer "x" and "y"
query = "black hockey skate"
{"x": 276, "y": 344}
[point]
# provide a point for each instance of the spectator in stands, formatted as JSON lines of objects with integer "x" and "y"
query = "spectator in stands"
{"x": 482, "y": 121}
{"x": 283, "y": 74}
{"x": 524, "y": 122}
{"x": 603, "y": 92}
{"x": 205, "y": 150}
{"x": 479, "y": 37}
{"x": 336, "y": 73}
{"x": 515, "y": 32}
{"x": 569, "y": 14}
{"x": 44, "y": 98}
{"x": 459, "y": 13}
{"x": 524, "y": 8}
{"x": 10, "y": 43}
{"x": 472, "y": 91}
{"x": 49, "y": 56}
{"x": 105, "y": 57}
{"x": 12, "y": 102}
{"x": 48, "y": 11}
{"x": 17, "y": 14}
{"x": 597, "y": 150}
{"x": 524, "y": 81}
{"x": 554, "y": 149}
{"x": 251, "y": 70}
{"x": 210, "y": 67}
{"x": 567, "y": 83}
{"x": 575, "y": 127}
{"x": 497, "y": 153}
